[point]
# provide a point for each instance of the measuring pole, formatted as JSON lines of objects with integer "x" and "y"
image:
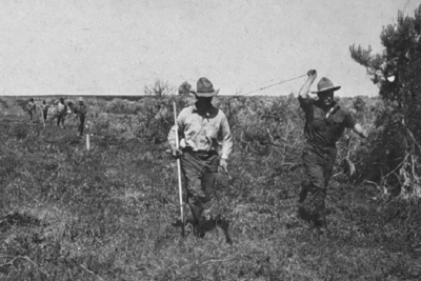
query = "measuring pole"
{"x": 42, "y": 115}
{"x": 88, "y": 142}
{"x": 180, "y": 188}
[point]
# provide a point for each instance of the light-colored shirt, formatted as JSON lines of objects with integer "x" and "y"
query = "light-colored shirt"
{"x": 202, "y": 132}
{"x": 60, "y": 108}
{"x": 31, "y": 106}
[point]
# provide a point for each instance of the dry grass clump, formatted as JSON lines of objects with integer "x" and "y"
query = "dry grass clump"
{"x": 119, "y": 106}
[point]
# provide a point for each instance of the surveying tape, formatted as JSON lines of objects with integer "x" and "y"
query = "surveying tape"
{"x": 265, "y": 87}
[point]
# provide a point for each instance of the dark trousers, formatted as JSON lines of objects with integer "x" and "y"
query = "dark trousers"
{"x": 44, "y": 115}
{"x": 199, "y": 171}
{"x": 318, "y": 164}
{"x": 60, "y": 119}
{"x": 82, "y": 124}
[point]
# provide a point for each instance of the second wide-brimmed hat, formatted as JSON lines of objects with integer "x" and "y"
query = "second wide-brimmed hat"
{"x": 325, "y": 85}
{"x": 204, "y": 88}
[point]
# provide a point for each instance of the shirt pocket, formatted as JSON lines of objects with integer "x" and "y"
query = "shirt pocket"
{"x": 210, "y": 132}
{"x": 318, "y": 115}
{"x": 337, "y": 118}
{"x": 191, "y": 126}
{"x": 336, "y": 124}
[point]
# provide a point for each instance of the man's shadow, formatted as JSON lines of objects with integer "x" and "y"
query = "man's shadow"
{"x": 214, "y": 223}
{"x": 309, "y": 215}
{"x": 207, "y": 226}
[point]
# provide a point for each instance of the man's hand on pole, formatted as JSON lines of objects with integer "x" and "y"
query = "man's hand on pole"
{"x": 224, "y": 165}
{"x": 176, "y": 152}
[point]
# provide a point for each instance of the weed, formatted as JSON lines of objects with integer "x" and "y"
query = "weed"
{"x": 107, "y": 213}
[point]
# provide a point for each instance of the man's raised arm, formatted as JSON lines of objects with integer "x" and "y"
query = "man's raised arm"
{"x": 303, "y": 93}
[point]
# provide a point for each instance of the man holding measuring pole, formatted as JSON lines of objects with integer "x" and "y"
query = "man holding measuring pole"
{"x": 200, "y": 128}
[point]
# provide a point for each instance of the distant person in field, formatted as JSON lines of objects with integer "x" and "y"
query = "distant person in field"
{"x": 31, "y": 107}
{"x": 61, "y": 113}
{"x": 325, "y": 124}
{"x": 201, "y": 127}
{"x": 44, "y": 108}
{"x": 81, "y": 110}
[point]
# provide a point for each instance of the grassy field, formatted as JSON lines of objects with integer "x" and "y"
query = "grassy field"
{"x": 106, "y": 214}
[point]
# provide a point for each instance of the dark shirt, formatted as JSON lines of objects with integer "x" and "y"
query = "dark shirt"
{"x": 82, "y": 109}
{"x": 321, "y": 130}
{"x": 44, "y": 107}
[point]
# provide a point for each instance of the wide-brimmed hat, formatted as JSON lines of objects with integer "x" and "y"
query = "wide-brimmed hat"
{"x": 204, "y": 88}
{"x": 325, "y": 85}
{"x": 80, "y": 99}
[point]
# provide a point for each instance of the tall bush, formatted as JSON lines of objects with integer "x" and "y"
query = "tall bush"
{"x": 397, "y": 72}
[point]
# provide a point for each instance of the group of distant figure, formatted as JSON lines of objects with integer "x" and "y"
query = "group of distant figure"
{"x": 62, "y": 109}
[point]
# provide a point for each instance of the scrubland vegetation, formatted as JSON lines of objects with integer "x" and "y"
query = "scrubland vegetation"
{"x": 107, "y": 214}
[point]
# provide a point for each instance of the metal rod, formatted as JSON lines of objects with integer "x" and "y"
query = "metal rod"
{"x": 262, "y": 88}
{"x": 180, "y": 188}
{"x": 42, "y": 115}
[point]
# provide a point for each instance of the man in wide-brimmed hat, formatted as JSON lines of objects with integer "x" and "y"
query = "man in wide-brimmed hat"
{"x": 31, "y": 107}
{"x": 325, "y": 124}
{"x": 201, "y": 127}
{"x": 81, "y": 110}
{"x": 61, "y": 113}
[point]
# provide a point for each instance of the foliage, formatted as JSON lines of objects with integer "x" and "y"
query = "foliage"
{"x": 159, "y": 89}
{"x": 120, "y": 106}
{"x": 184, "y": 89}
{"x": 396, "y": 71}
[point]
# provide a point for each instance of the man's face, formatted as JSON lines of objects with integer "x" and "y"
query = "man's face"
{"x": 205, "y": 101}
{"x": 326, "y": 97}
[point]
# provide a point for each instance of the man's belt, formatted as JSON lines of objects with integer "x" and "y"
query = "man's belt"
{"x": 322, "y": 145}
{"x": 199, "y": 152}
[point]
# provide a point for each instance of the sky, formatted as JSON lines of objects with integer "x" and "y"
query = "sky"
{"x": 119, "y": 47}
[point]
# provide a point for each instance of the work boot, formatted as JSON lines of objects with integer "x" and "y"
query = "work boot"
{"x": 322, "y": 229}
{"x": 321, "y": 222}
{"x": 305, "y": 185}
{"x": 199, "y": 230}
{"x": 223, "y": 224}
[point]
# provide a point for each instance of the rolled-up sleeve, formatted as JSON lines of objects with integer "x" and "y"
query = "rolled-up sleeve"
{"x": 305, "y": 103}
{"x": 226, "y": 138}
